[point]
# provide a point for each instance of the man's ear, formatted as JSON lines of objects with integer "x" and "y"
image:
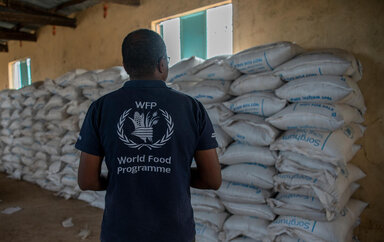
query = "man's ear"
{"x": 163, "y": 65}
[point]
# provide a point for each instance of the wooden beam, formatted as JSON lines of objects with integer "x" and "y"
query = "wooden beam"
{"x": 7, "y": 34}
{"x": 26, "y": 7}
{"x": 67, "y": 4}
{"x": 4, "y": 47}
{"x": 125, "y": 2}
{"x": 29, "y": 18}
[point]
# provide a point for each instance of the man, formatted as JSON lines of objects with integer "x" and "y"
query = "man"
{"x": 148, "y": 135}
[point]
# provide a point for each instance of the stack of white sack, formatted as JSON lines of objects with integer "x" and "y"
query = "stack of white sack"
{"x": 40, "y": 125}
{"x": 316, "y": 180}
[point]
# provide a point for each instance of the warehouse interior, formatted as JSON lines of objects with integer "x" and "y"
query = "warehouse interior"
{"x": 95, "y": 43}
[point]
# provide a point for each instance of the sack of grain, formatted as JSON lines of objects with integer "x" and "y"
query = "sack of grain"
{"x": 181, "y": 70}
{"x": 290, "y": 162}
{"x": 216, "y": 68}
{"x": 54, "y": 102}
{"x": 214, "y": 220}
{"x": 329, "y": 194}
{"x": 242, "y": 193}
{"x": 86, "y": 80}
{"x": 68, "y": 78}
{"x": 261, "y": 211}
{"x": 210, "y": 91}
{"x": 111, "y": 76}
{"x": 313, "y": 64}
{"x": 250, "y": 129}
{"x": 223, "y": 139}
{"x": 205, "y": 234}
{"x": 259, "y": 103}
{"x": 92, "y": 93}
{"x": 241, "y": 153}
{"x": 315, "y": 116}
{"x": 218, "y": 113}
{"x": 70, "y": 93}
{"x": 311, "y": 230}
{"x": 263, "y": 58}
{"x": 206, "y": 203}
{"x": 250, "y": 174}
{"x": 256, "y": 82}
{"x": 323, "y": 89}
{"x": 309, "y": 207}
{"x": 251, "y": 227}
{"x": 334, "y": 147}
{"x": 355, "y": 71}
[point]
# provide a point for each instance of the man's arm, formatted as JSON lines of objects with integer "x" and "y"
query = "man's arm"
{"x": 89, "y": 173}
{"x": 207, "y": 175}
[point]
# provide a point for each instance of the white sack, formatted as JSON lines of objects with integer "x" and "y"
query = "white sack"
{"x": 242, "y": 153}
{"x": 206, "y": 203}
{"x": 210, "y": 91}
{"x": 181, "y": 70}
{"x": 290, "y": 162}
{"x": 242, "y": 193}
{"x": 216, "y": 68}
{"x": 313, "y": 64}
{"x": 355, "y": 71}
{"x": 92, "y": 93}
{"x": 86, "y": 80}
{"x": 308, "y": 207}
{"x": 70, "y": 93}
{"x": 65, "y": 79}
{"x": 29, "y": 102}
{"x": 261, "y": 211}
{"x": 54, "y": 102}
{"x": 334, "y": 147}
{"x": 263, "y": 58}
{"x": 56, "y": 114}
{"x": 250, "y": 129}
{"x": 250, "y": 174}
{"x": 251, "y": 227}
{"x": 310, "y": 230}
{"x": 218, "y": 113}
{"x": 213, "y": 220}
{"x": 205, "y": 234}
{"x": 329, "y": 194}
{"x": 222, "y": 138}
{"x": 315, "y": 116}
{"x": 256, "y": 82}
{"x": 258, "y": 103}
{"x": 111, "y": 76}
{"x": 323, "y": 89}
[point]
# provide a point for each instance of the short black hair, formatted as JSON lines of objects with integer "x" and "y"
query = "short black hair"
{"x": 142, "y": 50}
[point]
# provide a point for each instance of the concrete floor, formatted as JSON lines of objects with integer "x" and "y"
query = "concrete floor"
{"x": 42, "y": 213}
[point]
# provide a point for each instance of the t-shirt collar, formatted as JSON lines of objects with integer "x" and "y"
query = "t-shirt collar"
{"x": 145, "y": 83}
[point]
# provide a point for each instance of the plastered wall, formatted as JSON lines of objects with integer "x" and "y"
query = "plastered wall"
{"x": 354, "y": 25}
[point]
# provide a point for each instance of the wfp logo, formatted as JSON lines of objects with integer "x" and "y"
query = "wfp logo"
{"x": 143, "y": 127}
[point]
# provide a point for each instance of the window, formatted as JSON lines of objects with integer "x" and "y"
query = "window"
{"x": 19, "y": 73}
{"x": 204, "y": 32}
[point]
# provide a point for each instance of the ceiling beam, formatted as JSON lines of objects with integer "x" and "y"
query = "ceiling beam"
{"x": 7, "y": 34}
{"x": 29, "y": 18}
{"x": 26, "y": 7}
{"x": 66, "y": 4}
{"x": 125, "y": 2}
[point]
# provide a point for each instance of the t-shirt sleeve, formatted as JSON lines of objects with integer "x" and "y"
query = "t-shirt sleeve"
{"x": 207, "y": 139}
{"x": 89, "y": 137}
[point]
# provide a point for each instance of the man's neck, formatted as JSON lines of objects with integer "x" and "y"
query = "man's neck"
{"x": 146, "y": 77}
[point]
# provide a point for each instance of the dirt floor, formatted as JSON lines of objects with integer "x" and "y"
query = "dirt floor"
{"x": 42, "y": 213}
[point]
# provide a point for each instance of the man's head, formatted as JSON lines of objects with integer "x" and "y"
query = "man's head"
{"x": 145, "y": 55}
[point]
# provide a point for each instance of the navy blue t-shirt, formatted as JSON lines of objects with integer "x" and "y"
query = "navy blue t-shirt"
{"x": 148, "y": 134}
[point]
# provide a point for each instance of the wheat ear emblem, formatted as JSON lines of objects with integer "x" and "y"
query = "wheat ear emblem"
{"x": 144, "y": 129}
